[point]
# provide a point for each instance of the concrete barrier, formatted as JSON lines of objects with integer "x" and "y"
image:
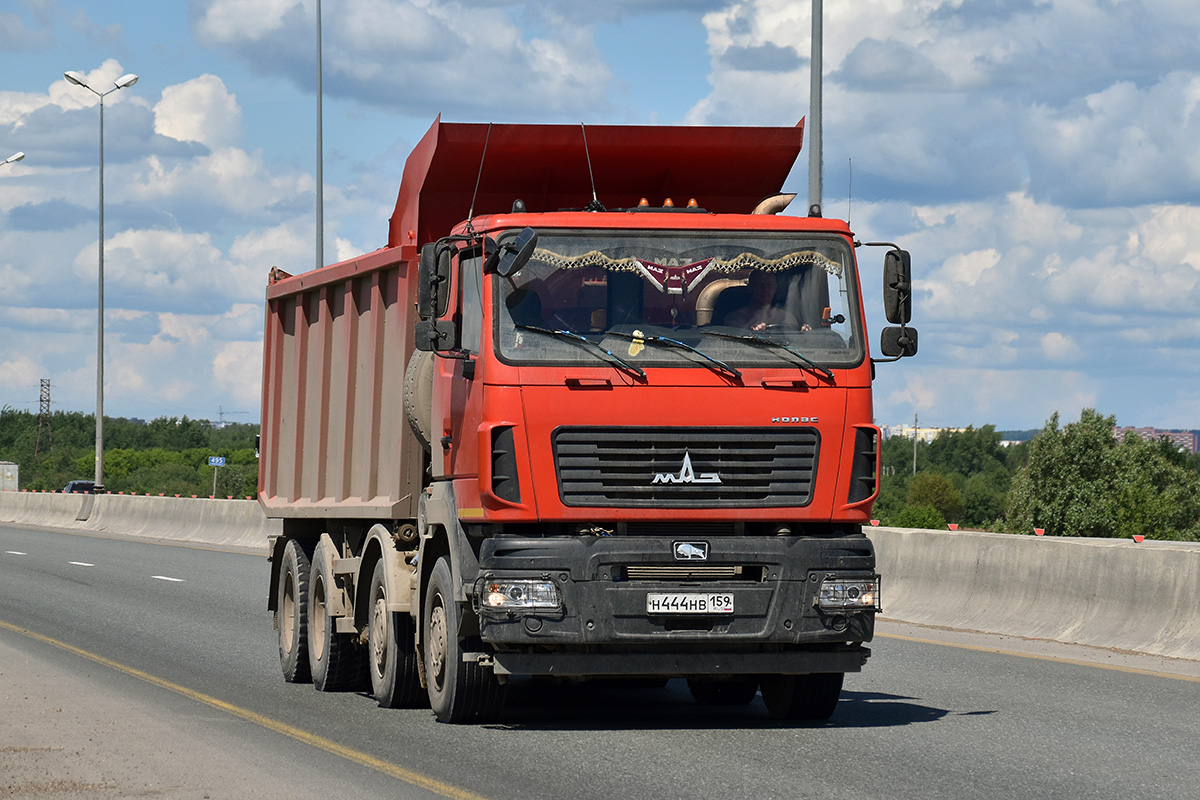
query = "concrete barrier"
{"x": 233, "y": 524}
{"x": 1111, "y": 593}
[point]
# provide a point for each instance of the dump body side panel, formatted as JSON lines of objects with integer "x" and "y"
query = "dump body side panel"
{"x": 334, "y": 438}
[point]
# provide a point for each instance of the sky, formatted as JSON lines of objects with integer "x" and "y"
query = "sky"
{"x": 1039, "y": 158}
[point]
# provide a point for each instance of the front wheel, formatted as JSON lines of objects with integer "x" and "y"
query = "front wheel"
{"x": 805, "y": 697}
{"x": 459, "y": 691}
{"x": 395, "y": 680}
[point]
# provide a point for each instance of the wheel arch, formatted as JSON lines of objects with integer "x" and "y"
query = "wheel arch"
{"x": 380, "y": 546}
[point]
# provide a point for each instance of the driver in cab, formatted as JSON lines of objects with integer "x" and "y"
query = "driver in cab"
{"x": 762, "y": 312}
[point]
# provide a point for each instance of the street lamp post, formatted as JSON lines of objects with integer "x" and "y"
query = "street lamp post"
{"x": 320, "y": 153}
{"x": 122, "y": 82}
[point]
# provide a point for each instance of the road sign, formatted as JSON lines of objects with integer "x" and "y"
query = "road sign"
{"x": 216, "y": 461}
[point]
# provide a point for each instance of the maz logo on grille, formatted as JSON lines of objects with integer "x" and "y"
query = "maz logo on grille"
{"x": 691, "y": 551}
{"x": 686, "y": 474}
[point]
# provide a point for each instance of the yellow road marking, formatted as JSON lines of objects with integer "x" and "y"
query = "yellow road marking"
{"x": 1039, "y": 657}
{"x": 379, "y": 765}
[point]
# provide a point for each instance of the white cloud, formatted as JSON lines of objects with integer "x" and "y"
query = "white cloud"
{"x": 228, "y": 179}
{"x": 200, "y": 110}
{"x": 442, "y": 50}
{"x": 156, "y": 270}
{"x": 15, "y": 282}
{"x": 20, "y": 371}
{"x": 237, "y": 367}
{"x": 245, "y": 20}
{"x": 1059, "y": 347}
{"x": 979, "y": 396}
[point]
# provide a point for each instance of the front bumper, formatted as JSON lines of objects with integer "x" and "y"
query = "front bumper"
{"x": 603, "y": 626}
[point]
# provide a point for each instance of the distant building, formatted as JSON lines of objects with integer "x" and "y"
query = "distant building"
{"x": 1184, "y": 440}
{"x": 909, "y": 431}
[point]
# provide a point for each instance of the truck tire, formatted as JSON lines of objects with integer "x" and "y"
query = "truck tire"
{"x": 459, "y": 691}
{"x": 392, "y": 655}
{"x": 805, "y": 697}
{"x": 737, "y": 691}
{"x": 292, "y": 605}
{"x": 336, "y": 659}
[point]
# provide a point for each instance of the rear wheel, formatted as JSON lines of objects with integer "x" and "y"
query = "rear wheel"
{"x": 806, "y": 697}
{"x": 735, "y": 691}
{"x": 393, "y": 663}
{"x": 459, "y": 691}
{"x": 292, "y": 609}
{"x": 336, "y": 659}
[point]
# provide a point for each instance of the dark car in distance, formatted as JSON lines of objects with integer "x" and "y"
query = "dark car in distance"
{"x": 80, "y": 487}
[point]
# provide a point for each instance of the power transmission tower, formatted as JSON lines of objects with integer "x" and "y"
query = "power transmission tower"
{"x": 43, "y": 419}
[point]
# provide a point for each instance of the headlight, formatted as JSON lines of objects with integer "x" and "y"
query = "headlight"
{"x": 519, "y": 595}
{"x": 857, "y": 594}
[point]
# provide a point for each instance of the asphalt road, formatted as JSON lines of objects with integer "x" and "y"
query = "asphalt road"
{"x": 133, "y": 669}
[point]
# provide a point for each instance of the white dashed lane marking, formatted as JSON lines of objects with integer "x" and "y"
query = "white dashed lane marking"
{"x": 167, "y": 578}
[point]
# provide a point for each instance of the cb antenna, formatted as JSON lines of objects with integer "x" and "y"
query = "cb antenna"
{"x": 595, "y": 205}
{"x": 479, "y": 177}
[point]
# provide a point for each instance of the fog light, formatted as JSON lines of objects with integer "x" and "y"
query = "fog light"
{"x": 519, "y": 595}
{"x": 856, "y": 594}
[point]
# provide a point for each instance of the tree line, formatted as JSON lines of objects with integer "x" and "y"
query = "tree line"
{"x": 1072, "y": 480}
{"x": 168, "y": 455}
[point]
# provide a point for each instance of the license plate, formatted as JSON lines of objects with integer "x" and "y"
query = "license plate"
{"x": 689, "y": 603}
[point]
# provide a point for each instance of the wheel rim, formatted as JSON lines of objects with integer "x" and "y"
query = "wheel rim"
{"x": 379, "y": 632}
{"x": 318, "y": 621}
{"x": 287, "y": 612}
{"x": 437, "y": 631}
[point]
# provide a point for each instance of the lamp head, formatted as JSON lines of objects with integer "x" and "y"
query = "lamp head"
{"x": 14, "y": 157}
{"x": 128, "y": 79}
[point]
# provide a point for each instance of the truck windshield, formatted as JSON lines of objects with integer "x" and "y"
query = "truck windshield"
{"x": 725, "y": 296}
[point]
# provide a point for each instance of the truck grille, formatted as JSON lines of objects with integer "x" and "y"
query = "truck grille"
{"x": 686, "y": 467}
{"x": 651, "y": 572}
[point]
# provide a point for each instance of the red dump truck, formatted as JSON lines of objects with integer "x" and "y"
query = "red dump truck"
{"x": 596, "y": 410}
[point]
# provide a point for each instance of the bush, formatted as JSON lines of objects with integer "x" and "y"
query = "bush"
{"x": 929, "y": 489}
{"x": 920, "y": 517}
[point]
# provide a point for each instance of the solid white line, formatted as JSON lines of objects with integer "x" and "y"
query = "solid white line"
{"x": 81, "y": 564}
{"x": 165, "y": 578}
{"x": 16, "y": 553}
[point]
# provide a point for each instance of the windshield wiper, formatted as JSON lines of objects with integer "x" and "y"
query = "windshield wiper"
{"x": 720, "y": 365}
{"x": 571, "y": 336}
{"x": 754, "y": 339}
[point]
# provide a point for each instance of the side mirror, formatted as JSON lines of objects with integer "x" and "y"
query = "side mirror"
{"x": 898, "y": 342}
{"x": 437, "y": 335}
{"x": 433, "y": 280}
{"x": 516, "y": 253}
{"x": 897, "y": 286}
